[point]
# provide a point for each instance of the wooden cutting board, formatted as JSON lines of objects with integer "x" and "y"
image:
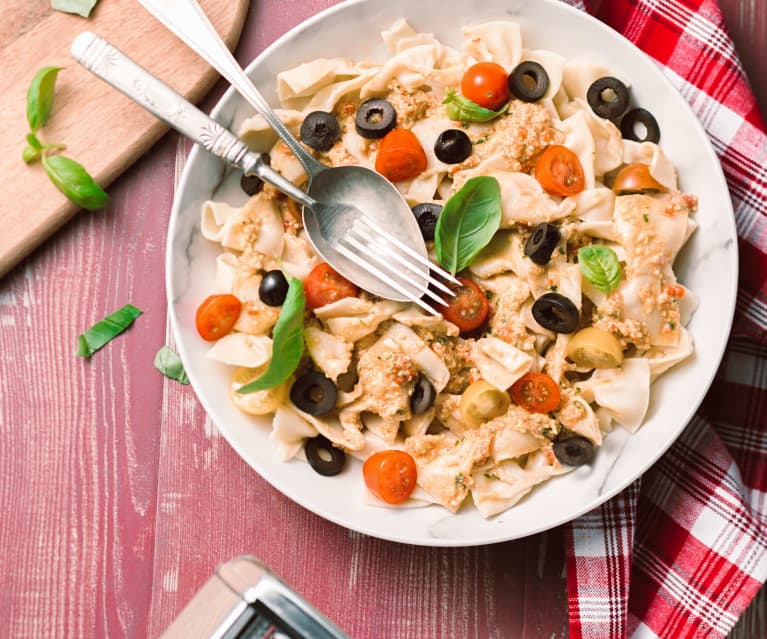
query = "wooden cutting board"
{"x": 102, "y": 129}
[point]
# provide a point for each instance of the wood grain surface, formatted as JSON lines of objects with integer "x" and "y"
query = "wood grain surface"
{"x": 102, "y": 129}
{"x": 118, "y": 496}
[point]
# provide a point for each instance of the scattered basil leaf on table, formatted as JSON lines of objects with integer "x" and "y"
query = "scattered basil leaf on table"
{"x": 169, "y": 364}
{"x": 30, "y": 154}
{"x": 80, "y": 7}
{"x": 75, "y": 182}
{"x": 463, "y": 109}
{"x": 468, "y": 222}
{"x": 287, "y": 341}
{"x": 600, "y": 266}
{"x": 105, "y": 330}
{"x": 40, "y": 97}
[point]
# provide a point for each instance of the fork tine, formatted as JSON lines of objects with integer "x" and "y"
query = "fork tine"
{"x": 370, "y": 250}
{"x": 406, "y": 249}
{"x": 365, "y": 232}
{"x": 359, "y": 261}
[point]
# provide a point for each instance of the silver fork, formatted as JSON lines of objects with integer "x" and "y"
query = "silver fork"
{"x": 344, "y": 234}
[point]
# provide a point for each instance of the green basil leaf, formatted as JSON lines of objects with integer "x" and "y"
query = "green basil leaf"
{"x": 80, "y": 7}
{"x": 287, "y": 341}
{"x": 34, "y": 142}
{"x": 40, "y": 97}
{"x": 30, "y": 155}
{"x": 463, "y": 109}
{"x": 75, "y": 182}
{"x": 169, "y": 364}
{"x": 103, "y": 331}
{"x": 600, "y": 266}
{"x": 468, "y": 222}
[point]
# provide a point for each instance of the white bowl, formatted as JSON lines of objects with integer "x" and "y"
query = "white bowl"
{"x": 708, "y": 265}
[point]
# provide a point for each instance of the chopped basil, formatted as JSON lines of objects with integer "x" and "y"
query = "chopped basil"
{"x": 40, "y": 97}
{"x": 80, "y": 7}
{"x": 287, "y": 341}
{"x": 103, "y": 331}
{"x": 169, "y": 364}
{"x": 464, "y": 110}
{"x": 468, "y": 222}
{"x": 600, "y": 266}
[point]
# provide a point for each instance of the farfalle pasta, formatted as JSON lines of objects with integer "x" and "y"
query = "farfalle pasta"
{"x": 456, "y": 401}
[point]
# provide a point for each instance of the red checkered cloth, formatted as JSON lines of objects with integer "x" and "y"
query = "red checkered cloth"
{"x": 683, "y": 550}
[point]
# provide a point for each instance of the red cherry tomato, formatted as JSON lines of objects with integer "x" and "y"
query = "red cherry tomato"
{"x": 469, "y": 308}
{"x": 559, "y": 171}
{"x": 217, "y": 315}
{"x": 390, "y": 475}
{"x": 636, "y": 178}
{"x": 486, "y": 84}
{"x": 323, "y": 285}
{"x": 400, "y": 156}
{"x": 536, "y": 392}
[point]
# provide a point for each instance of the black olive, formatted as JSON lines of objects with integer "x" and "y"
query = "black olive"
{"x": 320, "y": 130}
{"x": 314, "y": 449}
{"x": 556, "y": 313}
{"x": 452, "y": 146}
{"x": 645, "y": 118}
{"x": 273, "y": 288}
{"x": 529, "y": 81}
{"x": 252, "y": 184}
{"x": 541, "y": 244}
{"x": 427, "y": 214}
{"x": 574, "y": 450}
{"x": 423, "y": 396}
{"x": 375, "y": 118}
{"x": 314, "y": 393}
{"x": 608, "y": 97}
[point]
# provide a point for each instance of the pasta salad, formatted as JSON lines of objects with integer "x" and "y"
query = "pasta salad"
{"x": 534, "y": 181}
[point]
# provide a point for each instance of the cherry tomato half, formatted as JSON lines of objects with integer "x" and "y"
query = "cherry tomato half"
{"x": 400, "y": 156}
{"x": 469, "y": 308}
{"x": 390, "y": 475}
{"x": 536, "y": 392}
{"x": 324, "y": 285}
{"x": 217, "y": 315}
{"x": 486, "y": 84}
{"x": 559, "y": 171}
{"x": 636, "y": 178}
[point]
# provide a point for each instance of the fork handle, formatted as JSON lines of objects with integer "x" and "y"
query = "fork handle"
{"x": 118, "y": 70}
{"x": 187, "y": 20}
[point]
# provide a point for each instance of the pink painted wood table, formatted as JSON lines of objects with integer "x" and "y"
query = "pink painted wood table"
{"x": 119, "y": 498}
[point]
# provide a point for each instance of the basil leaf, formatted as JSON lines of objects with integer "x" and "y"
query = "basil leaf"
{"x": 40, "y": 97}
{"x": 600, "y": 266}
{"x": 287, "y": 341}
{"x": 103, "y": 331}
{"x": 30, "y": 155}
{"x": 34, "y": 142}
{"x": 81, "y": 7}
{"x": 75, "y": 182}
{"x": 169, "y": 364}
{"x": 463, "y": 109}
{"x": 468, "y": 222}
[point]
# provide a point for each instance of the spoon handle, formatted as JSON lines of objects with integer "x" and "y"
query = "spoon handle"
{"x": 187, "y": 20}
{"x": 118, "y": 70}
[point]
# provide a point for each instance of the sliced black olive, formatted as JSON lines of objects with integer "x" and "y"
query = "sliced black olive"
{"x": 273, "y": 288}
{"x": 320, "y": 130}
{"x": 556, "y": 313}
{"x": 375, "y": 118}
{"x": 642, "y": 117}
{"x": 452, "y": 146}
{"x": 314, "y": 393}
{"x": 252, "y": 184}
{"x": 541, "y": 244}
{"x": 423, "y": 396}
{"x": 608, "y": 97}
{"x": 427, "y": 214}
{"x": 323, "y": 457}
{"x": 529, "y": 81}
{"x": 574, "y": 450}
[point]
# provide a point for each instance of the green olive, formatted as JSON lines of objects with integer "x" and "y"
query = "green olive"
{"x": 259, "y": 402}
{"x": 481, "y": 402}
{"x": 594, "y": 348}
